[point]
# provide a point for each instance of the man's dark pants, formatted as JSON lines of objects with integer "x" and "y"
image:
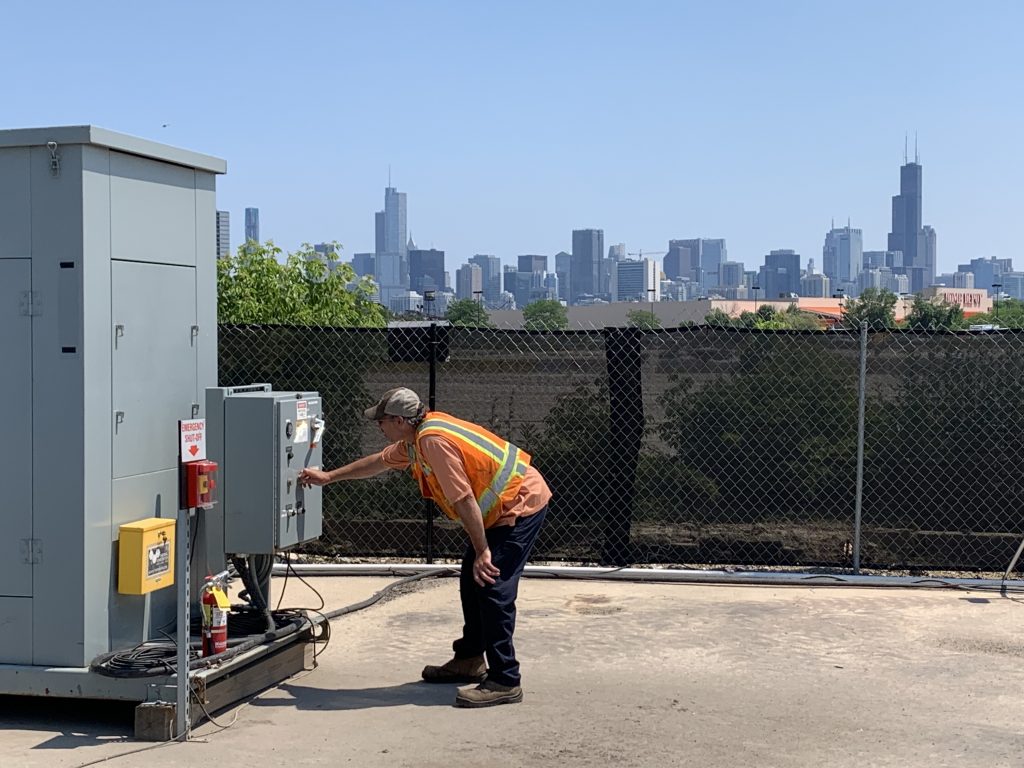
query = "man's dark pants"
{"x": 489, "y": 612}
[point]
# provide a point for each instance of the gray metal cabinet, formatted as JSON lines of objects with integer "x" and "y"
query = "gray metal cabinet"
{"x": 153, "y": 362}
{"x": 16, "y": 444}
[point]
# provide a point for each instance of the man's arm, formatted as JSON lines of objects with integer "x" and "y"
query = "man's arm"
{"x": 484, "y": 571}
{"x": 368, "y": 466}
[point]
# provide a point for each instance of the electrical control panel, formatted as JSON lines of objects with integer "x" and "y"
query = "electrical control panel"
{"x": 265, "y": 439}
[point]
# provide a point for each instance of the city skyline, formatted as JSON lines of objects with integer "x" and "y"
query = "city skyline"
{"x": 529, "y": 121}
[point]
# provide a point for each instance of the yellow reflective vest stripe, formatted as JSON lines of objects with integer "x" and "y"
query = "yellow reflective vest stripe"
{"x": 494, "y": 466}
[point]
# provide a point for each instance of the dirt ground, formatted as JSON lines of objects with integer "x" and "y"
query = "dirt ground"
{"x": 615, "y": 674}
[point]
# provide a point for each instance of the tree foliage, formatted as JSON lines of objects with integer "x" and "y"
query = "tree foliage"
{"x": 254, "y": 286}
{"x": 1008, "y": 314}
{"x": 767, "y": 318}
{"x": 934, "y": 314}
{"x": 467, "y": 312}
{"x": 875, "y": 306}
{"x": 643, "y": 319}
{"x": 545, "y": 315}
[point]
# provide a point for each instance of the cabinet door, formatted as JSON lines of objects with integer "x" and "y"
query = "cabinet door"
{"x": 16, "y": 445}
{"x": 154, "y": 363}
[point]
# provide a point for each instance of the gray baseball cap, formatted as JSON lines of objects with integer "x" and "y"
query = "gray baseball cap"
{"x": 396, "y": 402}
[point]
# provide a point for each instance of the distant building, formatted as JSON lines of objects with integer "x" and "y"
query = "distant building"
{"x": 223, "y": 234}
{"x": 732, "y": 274}
{"x": 814, "y": 285}
{"x": 586, "y": 264}
{"x": 469, "y": 282}
{"x": 879, "y": 259}
{"x": 392, "y": 256}
{"x": 842, "y": 256}
{"x": 697, "y": 259}
{"x": 426, "y": 270}
{"x": 963, "y": 280}
{"x": 364, "y": 264}
{"x": 636, "y": 280}
{"x": 252, "y": 225}
{"x": 532, "y": 263}
{"x": 780, "y": 275}
{"x": 563, "y": 265}
{"x": 987, "y": 271}
{"x": 909, "y": 235}
{"x": 617, "y": 252}
{"x": 490, "y": 267}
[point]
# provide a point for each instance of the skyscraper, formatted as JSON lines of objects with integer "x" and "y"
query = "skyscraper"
{"x": 908, "y": 234}
{"x": 585, "y": 269}
{"x": 636, "y": 280}
{"x": 780, "y": 275}
{"x": 252, "y": 225}
{"x": 426, "y": 270}
{"x": 698, "y": 259}
{"x": 223, "y": 234}
{"x": 533, "y": 263}
{"x": 391, "y": 235}
{"x": 842, "y": 257}
{"x": 490, "y": 267}
{"x": 563, "y": 266}
{"x": 469, "y": 282}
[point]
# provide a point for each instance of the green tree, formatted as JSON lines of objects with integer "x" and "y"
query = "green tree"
{"x": 721, "y": 318}
{"x": 790, "y": 319}
{"x": 642, "y": 318}
{"x": 877, "y": 307}
{"x": 934, "y": 314}
{"x": 545, "y": 315}
{"x": 469, "y": 313}
{"x": 254, "y": 286}
{"x": 1010, "y": 315}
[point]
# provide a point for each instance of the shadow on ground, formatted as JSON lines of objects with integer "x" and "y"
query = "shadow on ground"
{"x": 82, "y": 722}
{"x": 416, "y": 694}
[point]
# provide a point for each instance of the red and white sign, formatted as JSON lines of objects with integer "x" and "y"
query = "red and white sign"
{"x": 193, "y": 440}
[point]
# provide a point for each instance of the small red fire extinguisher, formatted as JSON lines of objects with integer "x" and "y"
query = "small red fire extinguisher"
{"x": 215, "y": 617}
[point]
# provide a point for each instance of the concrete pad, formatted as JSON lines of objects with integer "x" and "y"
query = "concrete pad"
{"x": 618, "y": 674}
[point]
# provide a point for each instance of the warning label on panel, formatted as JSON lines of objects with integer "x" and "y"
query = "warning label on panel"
{"x": 301, "y": 410}
{"x": 158, "y": 559}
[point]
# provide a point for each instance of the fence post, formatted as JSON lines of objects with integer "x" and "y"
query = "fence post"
{"x": 862, "y": 394}
{"x": 428, "y": 505}
{"x": 620, "y": 456}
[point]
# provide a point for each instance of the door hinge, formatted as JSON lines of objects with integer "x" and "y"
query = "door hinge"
{"x": 195, "y": 335}
{"x": 30, "y": 304}
{"x": 31, "y": 551}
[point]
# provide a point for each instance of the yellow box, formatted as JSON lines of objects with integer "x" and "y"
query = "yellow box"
{"x": 145, "y": 557}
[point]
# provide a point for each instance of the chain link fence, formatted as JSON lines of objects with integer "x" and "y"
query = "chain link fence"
{"x": 703, "y": 445}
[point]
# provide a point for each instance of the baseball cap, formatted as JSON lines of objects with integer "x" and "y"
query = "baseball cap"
{"x": 396, "y": 402}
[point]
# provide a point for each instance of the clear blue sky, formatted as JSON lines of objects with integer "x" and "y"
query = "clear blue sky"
{"x": 511, "y": 124}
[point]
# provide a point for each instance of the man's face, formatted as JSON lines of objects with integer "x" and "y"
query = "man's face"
{"x": 393, "y": 428}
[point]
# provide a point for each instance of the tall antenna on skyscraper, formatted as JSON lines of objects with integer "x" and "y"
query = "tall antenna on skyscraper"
{"x": 904, "y": 153}
{"x": 917, "y": 157}
{"x": 389, "y": 173}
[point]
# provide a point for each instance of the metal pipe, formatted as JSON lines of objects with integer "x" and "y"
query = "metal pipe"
{"x": 660, "y": 575}
{"x": 862, "y": 388}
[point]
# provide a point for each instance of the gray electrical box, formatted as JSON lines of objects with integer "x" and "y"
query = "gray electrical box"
{"x": 262, "y": 440}
{"x": 108, "y": 336}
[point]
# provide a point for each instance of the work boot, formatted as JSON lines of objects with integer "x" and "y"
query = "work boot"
{"x": 471, "y": 670}
{"x": 488, "y": 694}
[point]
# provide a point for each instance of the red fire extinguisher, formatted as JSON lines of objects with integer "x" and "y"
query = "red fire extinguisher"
{"x": 215, "y": 616}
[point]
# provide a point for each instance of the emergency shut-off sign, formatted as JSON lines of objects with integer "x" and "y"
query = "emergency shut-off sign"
{"x": 193, "y": 440}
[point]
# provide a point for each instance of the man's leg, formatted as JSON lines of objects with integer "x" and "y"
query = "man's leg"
{"x": 510, "y": 549}
{"x": 468, "y": 665}
{"x": 472, "y": 641}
